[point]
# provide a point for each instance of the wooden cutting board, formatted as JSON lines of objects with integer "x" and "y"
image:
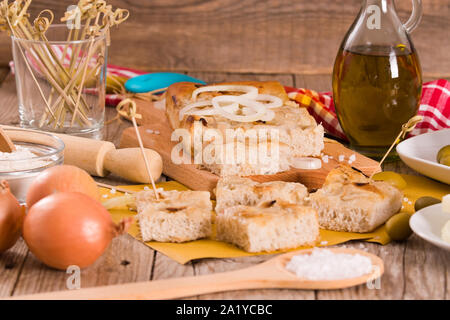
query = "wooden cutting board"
{"x": 155, "y": 120}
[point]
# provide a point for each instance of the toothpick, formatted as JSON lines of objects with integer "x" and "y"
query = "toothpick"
{"x": 14, "y": 18}
{"x": 107, "y": 186}
{"x": 31, "y": 72}
{"x": 133, "y": 115}
{"x": 406, "y": 128}
{"x": 83, "y": 79}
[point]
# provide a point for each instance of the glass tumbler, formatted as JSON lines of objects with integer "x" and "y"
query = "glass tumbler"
{"x": 61, "y": 84}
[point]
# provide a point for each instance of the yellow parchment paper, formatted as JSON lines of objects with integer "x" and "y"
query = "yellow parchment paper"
{"x": 209, "y": 248}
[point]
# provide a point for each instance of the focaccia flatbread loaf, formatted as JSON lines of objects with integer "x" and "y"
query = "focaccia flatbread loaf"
{"x": 299, "y": 135}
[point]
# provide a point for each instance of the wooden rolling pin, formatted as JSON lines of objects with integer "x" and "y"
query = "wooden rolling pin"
{"x": 100, "y": 158}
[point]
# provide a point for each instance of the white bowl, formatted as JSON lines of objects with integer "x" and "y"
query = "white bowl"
{"x": 428, "y": 223}
{"x": 419, "y": 153}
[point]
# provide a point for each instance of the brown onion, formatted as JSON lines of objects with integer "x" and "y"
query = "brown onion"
{"x": 11, "y": 217}
{"x": 62, "y": 178}
{"x": 69, "y": 228}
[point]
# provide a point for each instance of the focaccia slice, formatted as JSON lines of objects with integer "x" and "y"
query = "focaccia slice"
{"x": 280, "y": 227}
{"x": 178, "y": 216}
{"x": 351, "y": 202}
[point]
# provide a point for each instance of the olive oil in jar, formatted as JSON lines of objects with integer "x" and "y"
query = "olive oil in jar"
{"x": 376, "y": 90}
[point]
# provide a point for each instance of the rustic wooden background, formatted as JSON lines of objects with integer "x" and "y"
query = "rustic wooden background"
{"x": 292, "y": 41}
{"x": 272, "y": 36}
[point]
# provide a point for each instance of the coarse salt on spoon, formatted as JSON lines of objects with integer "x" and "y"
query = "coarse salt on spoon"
{"x": 271, "y": 274}
{"x": 6, "y": 145}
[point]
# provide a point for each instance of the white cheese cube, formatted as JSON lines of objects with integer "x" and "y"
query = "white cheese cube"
{"x": 446, "y": 203}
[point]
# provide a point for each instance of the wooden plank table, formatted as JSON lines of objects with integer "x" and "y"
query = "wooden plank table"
{"x": 414, "y": 269}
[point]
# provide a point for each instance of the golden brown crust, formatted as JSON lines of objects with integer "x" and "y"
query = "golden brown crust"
{"x": 174, "y": 201}
{"x": 262, "y": 216}
{"x": 233, "y": 191}
{"x": 345, "y": 174}
{"x": 351, "y": 182}
{"x": 179, "y": 94}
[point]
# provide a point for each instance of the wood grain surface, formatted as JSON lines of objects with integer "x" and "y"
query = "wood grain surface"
{"x": 414, "y": 269}
{"x": 270, "y": 274}
{"x": 294, "y": 42}
{"x": 276, "y": 36}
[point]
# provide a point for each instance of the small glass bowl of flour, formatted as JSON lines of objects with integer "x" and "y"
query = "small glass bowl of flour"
{"x": 36, "y": 151}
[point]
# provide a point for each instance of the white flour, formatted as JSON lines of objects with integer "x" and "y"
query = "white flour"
{"x": 323, "y": 264}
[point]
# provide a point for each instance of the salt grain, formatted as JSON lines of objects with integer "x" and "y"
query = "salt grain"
{"x": 21, "y": 159}
{"x": 324, "y": 243}
{"x": 341, "y": 158}
{"x": 112, "y": 191}
{"x": 152, "y": 131}
{"x": 146, "y": 188}
{"x": 323, "y": 264}
{"x": 105, "y": 196}
{"x": 352, "y": 158}
{"x": 325, "y": 159}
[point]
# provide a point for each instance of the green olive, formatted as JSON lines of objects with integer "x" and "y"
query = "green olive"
{"x": 397, "y": 227}
{"x": 443, "y": 156}
{"x": 425, "y": 202}
{"x": 391, "y": 177}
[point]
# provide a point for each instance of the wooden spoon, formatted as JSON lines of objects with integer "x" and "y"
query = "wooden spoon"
{"x": 6, "y": 145}
{"x": 270, "y": 274}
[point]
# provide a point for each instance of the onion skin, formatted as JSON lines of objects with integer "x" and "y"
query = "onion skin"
{"x": 69, "y": 228}
{"x": 11, "y": 218}
{"x": 64, "y": 178}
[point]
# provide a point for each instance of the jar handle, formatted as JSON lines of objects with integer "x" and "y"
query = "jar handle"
{"x": 416, "y": 16}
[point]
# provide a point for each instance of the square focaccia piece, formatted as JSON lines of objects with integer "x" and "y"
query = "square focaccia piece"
{"x": 178, "y": 216}
{"x": 351, "y": 202}
{"x": 283, "y": 226}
